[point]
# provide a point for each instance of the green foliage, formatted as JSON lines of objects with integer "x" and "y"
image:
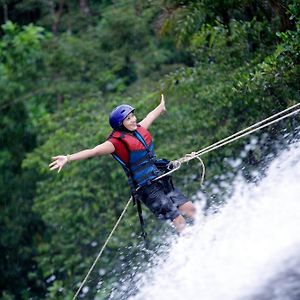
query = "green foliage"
{"x": 221, "y": 66}
{"x": 186, "y": 20}
{"x": 20, "y": 52}
{"x": 277, "y": 76}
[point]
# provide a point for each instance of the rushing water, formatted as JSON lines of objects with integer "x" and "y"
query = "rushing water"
{"x": 249, "y": 249}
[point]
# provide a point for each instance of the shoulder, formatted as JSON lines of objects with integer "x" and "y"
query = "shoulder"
{"x": 145, "y": 134}
{"x": 114, "y": 135}
{"x": 142, "y": 129}
{"x": 117, "y": 138}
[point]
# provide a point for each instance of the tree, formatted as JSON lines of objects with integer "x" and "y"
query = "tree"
{"x": 20, "y": 227}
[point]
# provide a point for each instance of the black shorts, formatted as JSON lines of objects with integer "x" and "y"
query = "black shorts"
{"x": 162, "y": 198}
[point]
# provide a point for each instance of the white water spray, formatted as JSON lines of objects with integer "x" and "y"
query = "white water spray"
{"x": 237, "y": 252}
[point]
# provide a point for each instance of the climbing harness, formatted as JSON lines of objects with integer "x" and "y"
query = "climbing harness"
{"x": 176, "y": 164}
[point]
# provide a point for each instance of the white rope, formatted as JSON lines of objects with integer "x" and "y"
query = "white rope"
{"x": 102, "y": 249}
{"x": 203, "y": 170}
{"x": 251, "y": 129}
{"x": 239, "y": 133}
{"x": 176, "y": 164}
{"x": 247, "y": 133}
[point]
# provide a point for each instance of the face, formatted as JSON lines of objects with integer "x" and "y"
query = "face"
{"x": 130, "y": 122}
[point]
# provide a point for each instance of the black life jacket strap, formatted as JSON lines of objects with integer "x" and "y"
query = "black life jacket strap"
{"x": 142, "y": 222}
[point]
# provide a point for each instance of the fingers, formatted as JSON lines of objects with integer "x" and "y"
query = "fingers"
{"x": 57, "y": 163}
{"x": 54, "y": 167}
{"x": 52, "y": 164}
{"x": 162, "y": 102}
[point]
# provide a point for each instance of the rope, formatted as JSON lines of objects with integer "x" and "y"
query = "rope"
{"x": 102, "y": 249}
{"x": 239, "y": 133}
{"x": 248, "y": 132}
{"x": 176, "y": 164}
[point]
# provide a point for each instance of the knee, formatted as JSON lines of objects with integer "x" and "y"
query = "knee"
{"x": 179, "y": 223}
{"x": 188, "y": 209}
{"x": 191, "y": 211}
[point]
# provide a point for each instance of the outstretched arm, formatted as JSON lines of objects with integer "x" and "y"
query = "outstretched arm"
{"x": 154, "y": 114}
{"x": 60, "y": 160}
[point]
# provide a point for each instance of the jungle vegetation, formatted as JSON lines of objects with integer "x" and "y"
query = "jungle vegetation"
{"x": 222, "y": 66}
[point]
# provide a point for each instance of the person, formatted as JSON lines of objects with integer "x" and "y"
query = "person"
{"x": 130, "y": 143}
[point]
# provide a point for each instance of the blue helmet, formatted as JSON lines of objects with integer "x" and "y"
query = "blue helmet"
{"x": 118, "y": 115}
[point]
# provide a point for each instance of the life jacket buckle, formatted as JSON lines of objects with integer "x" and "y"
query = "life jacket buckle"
{"x": 156, "y": 172}
{"x": 151, "y": 156}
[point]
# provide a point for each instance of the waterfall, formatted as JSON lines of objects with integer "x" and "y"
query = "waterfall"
{"x": 248, "y": 249}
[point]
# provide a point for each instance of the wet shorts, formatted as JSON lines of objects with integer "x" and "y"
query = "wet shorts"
{"x": 162, "y": 199}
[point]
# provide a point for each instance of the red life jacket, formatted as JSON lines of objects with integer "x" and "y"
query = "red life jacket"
{"x": 135, "y": 152}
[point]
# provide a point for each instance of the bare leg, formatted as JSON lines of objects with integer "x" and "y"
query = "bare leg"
{"x": 188, "y": 209}
{"x": 179, "y": 223}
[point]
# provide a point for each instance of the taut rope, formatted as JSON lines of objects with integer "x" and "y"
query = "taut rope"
{"x": 176, "y": 164}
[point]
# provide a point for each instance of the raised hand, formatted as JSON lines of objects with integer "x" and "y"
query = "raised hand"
{"x": 58, "y": 163}
{"x": 162, "y": 103}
